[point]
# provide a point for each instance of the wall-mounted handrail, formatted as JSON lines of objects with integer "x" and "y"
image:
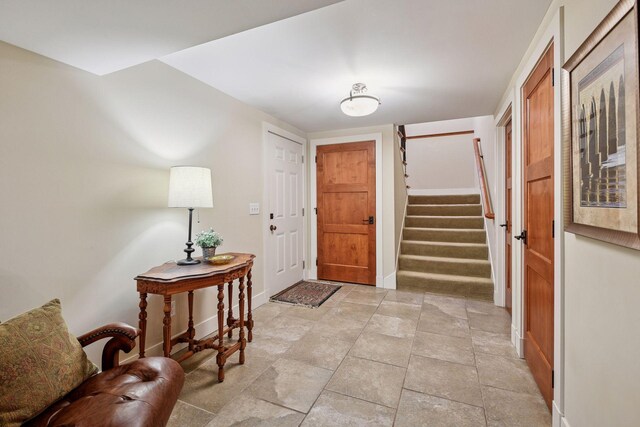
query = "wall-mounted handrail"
{"x": 482, "y": 177}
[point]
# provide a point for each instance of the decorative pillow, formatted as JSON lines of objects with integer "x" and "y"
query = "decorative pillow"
{"x": 40, "y": 361}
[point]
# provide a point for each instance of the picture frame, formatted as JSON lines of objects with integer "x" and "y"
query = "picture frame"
{"x": 601, "y": 127}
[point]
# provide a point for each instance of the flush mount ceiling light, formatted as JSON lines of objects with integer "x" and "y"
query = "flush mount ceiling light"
{"x": 357, "y": 104}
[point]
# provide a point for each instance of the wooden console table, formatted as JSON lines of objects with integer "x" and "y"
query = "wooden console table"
{"x": 170, "y": 279}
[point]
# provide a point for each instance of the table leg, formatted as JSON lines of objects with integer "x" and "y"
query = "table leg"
{"x": 167, "y": 325}
{"x": 191, "y": 331}
{"x": 142, "y": 322}
{"x": 241, "y": 338}
{"x": 220, "y": 356}
{"x": 230, "y": 314}
{"x": 249, "y": 314}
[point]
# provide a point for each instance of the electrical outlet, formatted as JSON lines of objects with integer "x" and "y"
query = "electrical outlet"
{"x": 254, "y": 208}
{"x": 173, "y": 308}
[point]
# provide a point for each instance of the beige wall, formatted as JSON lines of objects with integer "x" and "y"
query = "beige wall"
{"x": 84, "y": 179}
{"x": 441, "y": 163}
{"x": 602, "y": 288}
{"x": 388, "y": 209}
{"x": 601, "y": 291}
{"x": 400, "y": 191}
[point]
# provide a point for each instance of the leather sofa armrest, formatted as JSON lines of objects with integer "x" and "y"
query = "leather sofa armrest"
{"x": 123, "y": 338}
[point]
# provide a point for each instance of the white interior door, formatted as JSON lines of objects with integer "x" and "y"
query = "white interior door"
{"x": 285, "y": 245}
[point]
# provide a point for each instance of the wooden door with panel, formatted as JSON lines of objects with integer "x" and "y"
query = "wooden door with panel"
{"x": 508, "y": 260}
{"x": 346, "y": 191}
{"x": 538, "y": 234}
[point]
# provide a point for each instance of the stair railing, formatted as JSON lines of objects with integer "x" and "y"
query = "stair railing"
{"x": 482, "y": 178}
{"x": 403, "y": 150}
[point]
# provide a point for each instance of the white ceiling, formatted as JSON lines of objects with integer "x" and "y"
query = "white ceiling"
{"x": 426, "y": 59}
{"x": 103, "y": 36}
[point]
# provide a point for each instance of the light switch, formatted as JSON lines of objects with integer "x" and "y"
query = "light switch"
{"x": 254, "y": 208}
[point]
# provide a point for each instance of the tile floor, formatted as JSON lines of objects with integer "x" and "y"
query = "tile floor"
{"x": 368, "y": 357}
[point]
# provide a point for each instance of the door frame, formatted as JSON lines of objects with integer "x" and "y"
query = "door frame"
{"x": 553, "y": 33}
{"x": 505, "y": 114}
{"x": 268, "y": 128}
{"x": 313, "y": 219}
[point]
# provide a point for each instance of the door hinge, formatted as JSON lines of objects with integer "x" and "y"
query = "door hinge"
{"x": 316, "y": 209}
{"x": 316, "y": 159}
{"x": 553, "y": 77}
{"x": 302, "y": 211}
{"x": 553, "y": 228}
{"x": 316, "y": 262}
{"x": 303, "y": 264}
{"x": 553, "y": 378}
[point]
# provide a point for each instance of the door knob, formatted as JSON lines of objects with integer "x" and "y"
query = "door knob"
{"x": 273, "y": 228}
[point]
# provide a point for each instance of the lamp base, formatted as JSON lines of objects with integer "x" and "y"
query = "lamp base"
{"x": 188, "y": 261}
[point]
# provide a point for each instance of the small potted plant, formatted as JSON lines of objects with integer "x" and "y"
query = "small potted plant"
{"x": 208, "y": 241}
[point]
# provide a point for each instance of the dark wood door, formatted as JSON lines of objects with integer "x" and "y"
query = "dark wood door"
{"x": 538, "y": 221}
{"x": 507, "y": 217}
{"x": 346, "y": 181}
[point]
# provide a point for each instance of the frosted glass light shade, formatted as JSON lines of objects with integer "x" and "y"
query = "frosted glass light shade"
{"x": 190, "y": 187}
{"x": 359, "y": 105}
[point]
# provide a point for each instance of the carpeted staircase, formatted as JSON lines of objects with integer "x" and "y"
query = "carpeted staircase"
{"x": 444, "y": 247}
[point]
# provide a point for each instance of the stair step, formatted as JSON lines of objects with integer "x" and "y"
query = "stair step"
{"x": 445, "y": 199}
{"x": 445, "y": 210}
{"x": 445, "y": 249}
{"x": 442, "y": 265}
{"x": 445, "y": 221}
{"x": 470, "y": 287}
{"x": 462, "y": 235}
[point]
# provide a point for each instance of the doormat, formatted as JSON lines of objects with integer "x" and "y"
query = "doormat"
{"x": 309, "y": 294}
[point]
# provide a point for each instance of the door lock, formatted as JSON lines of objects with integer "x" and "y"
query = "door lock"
{"x": 273, "y": 228}
{"x": 503, "y": 225}
{"x": 368, "y": 221}
{"x": 522, "y": 236}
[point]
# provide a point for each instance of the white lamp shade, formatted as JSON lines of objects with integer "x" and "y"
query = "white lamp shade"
{"x": 190, "y": 187}
{"x": 359, "y": 105}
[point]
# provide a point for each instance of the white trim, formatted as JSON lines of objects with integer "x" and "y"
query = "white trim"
{"x": 556, "y": 416}
{"x": 500, "y": 296}
{"x": 204, "y": 328}
{"x": 266, "y": 129}
{"x": 558, "y": 274}
{"x": 554, "y": 32}
{"x": 314, "y": 143}
{"x": 390, "y": 281}
{"x": 442, "y": 191}
{"x": 517, "y": 341}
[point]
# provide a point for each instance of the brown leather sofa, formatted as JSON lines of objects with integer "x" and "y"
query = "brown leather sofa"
{"x": 141, "y": 393}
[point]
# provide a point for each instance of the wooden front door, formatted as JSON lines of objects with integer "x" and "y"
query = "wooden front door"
{"x": 538, "y": 223}
{"x": 507, "y": 216}
{"x": 346, "y": 181}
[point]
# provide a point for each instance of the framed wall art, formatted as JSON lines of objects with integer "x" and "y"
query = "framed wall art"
{"x": 600, "y": 109}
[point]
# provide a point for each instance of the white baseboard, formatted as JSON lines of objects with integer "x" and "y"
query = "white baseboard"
{"x": 557, "y": 420}
{"x": 203, "y": 328}
{"x": 390, "y": 281}
{"x": 564, "y": 422}
{"x": 517, "y": 341}
{"x": 442, "y": 191}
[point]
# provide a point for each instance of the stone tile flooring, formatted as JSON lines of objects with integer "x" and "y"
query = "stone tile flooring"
{"x": 368, "y": 357}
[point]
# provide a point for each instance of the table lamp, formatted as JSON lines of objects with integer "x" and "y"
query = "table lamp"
{"x": 190, "y": 187}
